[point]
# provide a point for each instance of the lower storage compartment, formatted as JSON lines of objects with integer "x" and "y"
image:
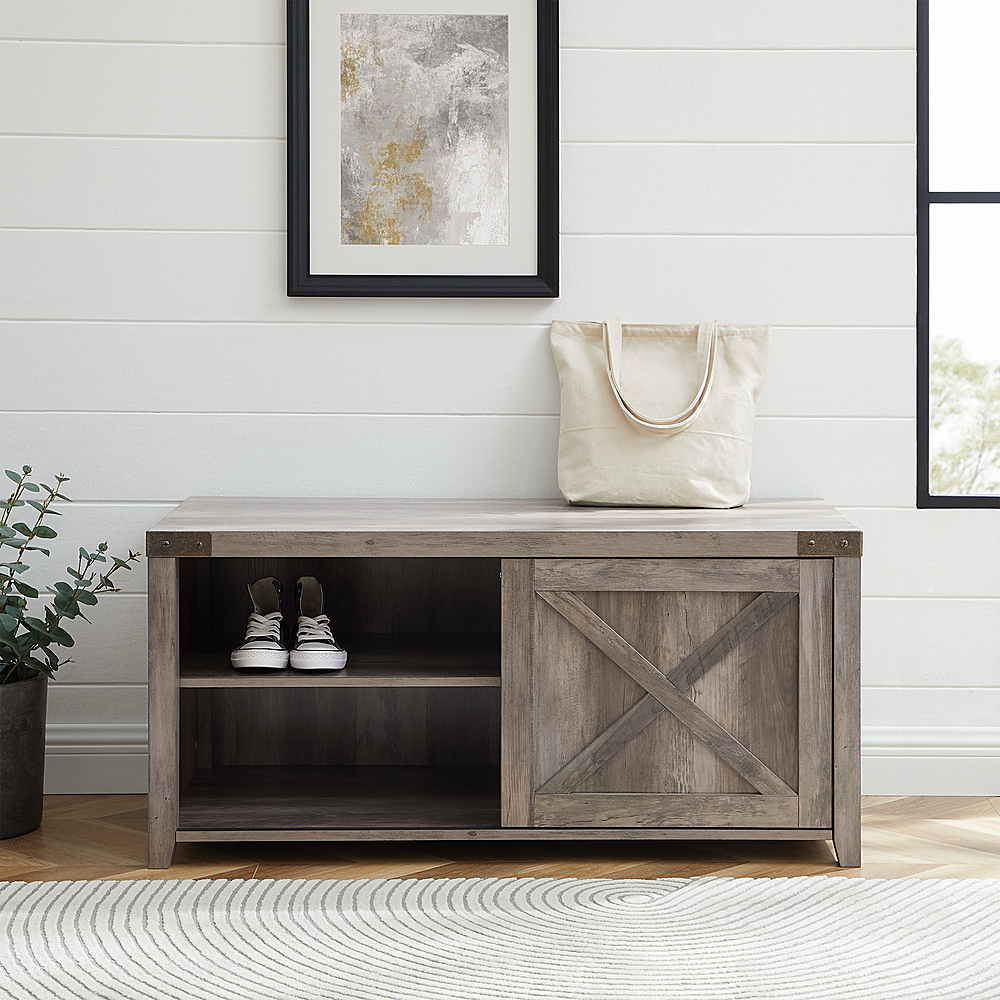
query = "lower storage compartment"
{"x": 344, "y": 797}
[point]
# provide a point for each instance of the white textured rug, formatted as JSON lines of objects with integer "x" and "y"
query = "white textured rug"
{"x": 706, "y": 938}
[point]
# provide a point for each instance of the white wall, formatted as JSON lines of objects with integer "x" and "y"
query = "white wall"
{"x": 751, "y": 159}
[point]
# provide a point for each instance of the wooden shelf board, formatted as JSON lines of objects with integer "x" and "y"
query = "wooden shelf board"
{"x": 445, "y": 660}
{"x": 257, "y": 527}
{"x": 366, "y": 798}
{"x": 498, "y": 833}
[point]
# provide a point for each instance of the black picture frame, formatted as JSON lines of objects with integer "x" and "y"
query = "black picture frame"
{"x": 543, "y": 284}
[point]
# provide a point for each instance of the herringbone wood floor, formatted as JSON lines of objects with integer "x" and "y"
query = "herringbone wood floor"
{"x": 104, "y": 837}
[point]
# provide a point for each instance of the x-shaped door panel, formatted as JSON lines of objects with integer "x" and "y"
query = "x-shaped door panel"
{"x": 665, "y": 693}
{"x": 797, "y": 796}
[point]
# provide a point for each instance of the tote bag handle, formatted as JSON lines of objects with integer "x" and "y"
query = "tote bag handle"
{"x": 708, "y": 336}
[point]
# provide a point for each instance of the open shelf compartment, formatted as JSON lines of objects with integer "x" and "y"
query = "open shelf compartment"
{"x": 318, "y": 798}
{"x": 406, "y": 736}
{"x": 411, "y": 660}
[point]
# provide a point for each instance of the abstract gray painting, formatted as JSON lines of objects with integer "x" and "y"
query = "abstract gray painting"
{"x": 424, "y": 129}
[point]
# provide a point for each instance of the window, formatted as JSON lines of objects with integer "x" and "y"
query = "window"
{"x": 958, "y": 253}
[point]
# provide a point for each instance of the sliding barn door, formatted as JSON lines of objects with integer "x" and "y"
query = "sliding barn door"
{"x": 676, "y": 693}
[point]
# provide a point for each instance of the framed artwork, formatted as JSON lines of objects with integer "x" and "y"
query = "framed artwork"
{"x": 423, "y": 148}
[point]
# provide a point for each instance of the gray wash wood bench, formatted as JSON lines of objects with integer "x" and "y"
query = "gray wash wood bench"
{"x": 518, "y": 669}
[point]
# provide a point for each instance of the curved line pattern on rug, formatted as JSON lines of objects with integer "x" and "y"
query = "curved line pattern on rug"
{"x": 503, "y": 939}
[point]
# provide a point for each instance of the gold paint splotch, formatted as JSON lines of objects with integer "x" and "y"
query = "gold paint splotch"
{"x": 394, "y": 191}
{"x": 350, "y": 56}
{"x": 373, "y": 226}
{"x": 352, "y": 60}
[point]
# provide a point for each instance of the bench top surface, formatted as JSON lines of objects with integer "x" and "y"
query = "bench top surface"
{"x": 245, "y": 526}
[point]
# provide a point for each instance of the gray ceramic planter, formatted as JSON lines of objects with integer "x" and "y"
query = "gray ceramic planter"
{"x": 22, "y": 755}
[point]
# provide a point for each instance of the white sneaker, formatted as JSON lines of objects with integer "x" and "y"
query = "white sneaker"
{"x": 315, "y": 647}
{"x": 263, "y": 646}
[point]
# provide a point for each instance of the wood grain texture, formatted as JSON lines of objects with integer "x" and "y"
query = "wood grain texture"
{"x": 647, "y": 676}
{"x": 776, "y": 575}
{"x": 847, "y": 711}
{"x": 404, "y": 660}
{"x": 234, "y": 798}
{"x": 364, "y": 596}
{"x": 578, "y": 835}
{"x": 815, "y": 784}
{"x": 164, "y": 708}
{"x": 298, "y": 726}
{"x": 303, "y": 527}
{"x": 736, "y": 630}
{"x": 599, "y": 751}
{"x": 687, "y": 810}
{"x": 752, "y": 692}
{"x": 188, "y": 747}
{"x": 516, "y": 737}
{"x": 203, "y": 723}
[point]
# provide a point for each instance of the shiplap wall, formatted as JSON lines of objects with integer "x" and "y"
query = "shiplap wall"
{"x": 748, "y": 159}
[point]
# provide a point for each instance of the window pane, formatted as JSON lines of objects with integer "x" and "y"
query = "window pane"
{"x": 964, "y": 95}
{"x": 965, "y": 349}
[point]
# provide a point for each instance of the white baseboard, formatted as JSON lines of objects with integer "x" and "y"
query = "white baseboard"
{"x": 97, "y": 758}
{"x": 930, "y": 760}
{"x": 96, "y": 774}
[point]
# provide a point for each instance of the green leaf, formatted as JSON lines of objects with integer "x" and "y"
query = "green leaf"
{"x": 17, "y": 567}
{"x": 41, "y": 507}
{"x": 22, "y": 527}
{"x": 44, "y": 531}
{"x": 73, "y": 573}
{"x": 42, "y": 668}
{"x": 6, "y": 532}
{"x": 99, "y": 558}
{"x": 63, "y": 588}
{"x": 26, "y": 589}
{"x": 13, "y": 475}
{"x": 86, "y": 597}
{"x": 35, "y": 548}
{"x": 84, "y": 554}
{"x": 32, "y": 487}
{"x": 9, "y": 622}
{"x": 61, "y": 636}
{"x": 35, "y": 624}
{"x": 13, "y": 503}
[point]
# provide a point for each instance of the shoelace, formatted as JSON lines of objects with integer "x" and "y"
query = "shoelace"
{"x": 311, "y": 629}
{"x": 264, "y": 626}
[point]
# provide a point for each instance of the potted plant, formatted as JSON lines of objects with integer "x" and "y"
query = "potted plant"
{"x": 30, "y": 645}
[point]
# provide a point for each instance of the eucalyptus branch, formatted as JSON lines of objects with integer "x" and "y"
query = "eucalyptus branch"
{"x": 21, "y": 635}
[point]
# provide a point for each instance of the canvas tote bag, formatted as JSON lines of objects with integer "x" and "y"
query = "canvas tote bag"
{"x": 657, "y": 416}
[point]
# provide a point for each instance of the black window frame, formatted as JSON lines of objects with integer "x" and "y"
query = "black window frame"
{"x": 925, "y": 198}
